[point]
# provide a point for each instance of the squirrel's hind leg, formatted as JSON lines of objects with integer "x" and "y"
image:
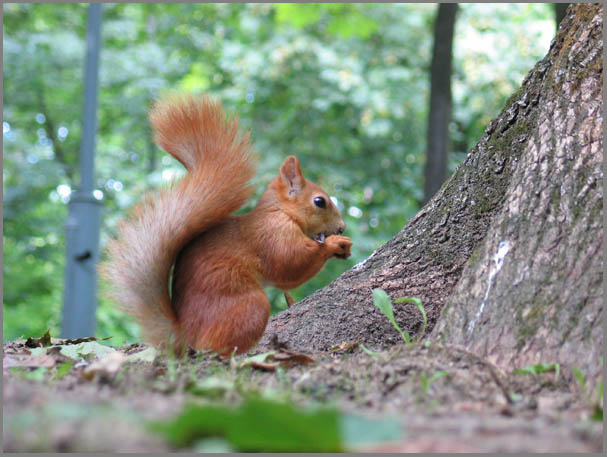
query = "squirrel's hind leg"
{"x": 227, "y": 324}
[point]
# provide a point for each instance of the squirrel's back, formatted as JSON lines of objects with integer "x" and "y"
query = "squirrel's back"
{"x": 194, "y": 130}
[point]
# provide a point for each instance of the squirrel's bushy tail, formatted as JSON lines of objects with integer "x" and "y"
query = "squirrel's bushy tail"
{"x": 196, "y": 132}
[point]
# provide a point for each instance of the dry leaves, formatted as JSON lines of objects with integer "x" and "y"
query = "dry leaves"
{"x": 105, "y": 368}
{"x": 269, "y": 361}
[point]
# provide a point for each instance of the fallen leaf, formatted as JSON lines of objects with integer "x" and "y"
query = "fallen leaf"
{"x": 89, "y": 350}
{"x": 63, "y": 369}
{"x": 78, "y": 340}
{"x": 263, "y": 366}
{"x": 36, "y": 375}
{"x": 147, "y": 355}
{"x": 268, "y": 361}
{"x": 289, "y": 358}
{"x": 345, "y": 346}
{"x": 105, "y": 368}
{"x": 36, "y": 361}
{"x": 210, "y": 387}
{"x": 43, "y": 341}
{"x": 256, "y": 358}
{"x": 55, "y": 352}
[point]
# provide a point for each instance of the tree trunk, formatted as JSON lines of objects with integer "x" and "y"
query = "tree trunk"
{"x": 560, "y": 9}
{"x": 532, "y": 291}
{"x": 439, "y": 115}
{"x": 510, "y": 246}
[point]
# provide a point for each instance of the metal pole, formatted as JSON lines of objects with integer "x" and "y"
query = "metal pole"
{"x": 84, "y": 215}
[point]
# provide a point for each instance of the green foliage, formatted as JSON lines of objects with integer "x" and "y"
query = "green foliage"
{"x": 260, "y": 425}
{"x": 486, "y": 63}
{"x": 581, "y": 380}
{"x": 87, "y": 350}
{"x": 257, "y": 426}
{"x": 63, "y": 369}
{"x": 540, "y": 368}
{"x": 341, "y": 19}
{"x": 342, "y": 86}
{"x": 597, "y": 413}
{"x": 596, "y": 404}
{"x": 38, "y": 374}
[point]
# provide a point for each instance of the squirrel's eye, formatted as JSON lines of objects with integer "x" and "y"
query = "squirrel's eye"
{"x": 320, "y": 202}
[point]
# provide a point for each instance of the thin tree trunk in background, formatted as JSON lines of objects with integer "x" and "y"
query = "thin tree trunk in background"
{"x": 439, "y": 115}
{"x": 560, "y": 9}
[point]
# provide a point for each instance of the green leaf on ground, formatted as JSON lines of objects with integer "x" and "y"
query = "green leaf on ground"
{"x": 63, "y": 369}
{"x": 261, "y": 425}
{"x": 35, "y": 375}
{"x": 257, "y": 426}
{"x": 88, "y": 351}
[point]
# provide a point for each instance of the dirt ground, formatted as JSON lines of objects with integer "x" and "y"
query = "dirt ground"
{"x": 444, "y": 399}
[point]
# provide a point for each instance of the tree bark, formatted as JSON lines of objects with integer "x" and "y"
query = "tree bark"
{"x": 560, "y": 9}
{"x": 439, "y": 114}
{"x": 532, "y": 292}
{"x": 510, "y": 246}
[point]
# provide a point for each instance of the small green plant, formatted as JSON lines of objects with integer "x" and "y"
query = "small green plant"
{"x": 426, "y": 381}
{"x": 595, "y": 405}
{"x": 581, "y": 380}
{"x": 63, "y": 369}
{"x": 539, "y": 368}
{"x": 37, "y": 374}
{"x": 417, "y": 302}
{"x": 383, "y": 302}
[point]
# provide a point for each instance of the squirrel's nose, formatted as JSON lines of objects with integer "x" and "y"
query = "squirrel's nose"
{"x": 341, "y": 229}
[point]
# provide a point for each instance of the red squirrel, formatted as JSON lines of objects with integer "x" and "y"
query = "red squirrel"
{"x": 220, "y": 261}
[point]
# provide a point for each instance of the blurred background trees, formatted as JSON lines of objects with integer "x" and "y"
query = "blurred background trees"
{"x": 345, "y": 87}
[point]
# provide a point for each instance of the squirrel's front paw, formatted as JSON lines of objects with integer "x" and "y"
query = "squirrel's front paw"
{"x": 339, "y": 246}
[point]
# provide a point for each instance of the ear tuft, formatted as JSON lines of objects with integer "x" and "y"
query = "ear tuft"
{"x": 291, "y": 175}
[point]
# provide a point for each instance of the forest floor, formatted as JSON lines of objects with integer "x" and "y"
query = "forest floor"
{"x": 81, "y": 396}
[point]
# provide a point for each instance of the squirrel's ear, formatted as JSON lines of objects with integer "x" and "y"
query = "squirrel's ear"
{"x": 291, "y": 176}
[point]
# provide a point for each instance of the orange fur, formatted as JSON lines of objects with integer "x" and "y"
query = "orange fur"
{"x": 222, "y": 261}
